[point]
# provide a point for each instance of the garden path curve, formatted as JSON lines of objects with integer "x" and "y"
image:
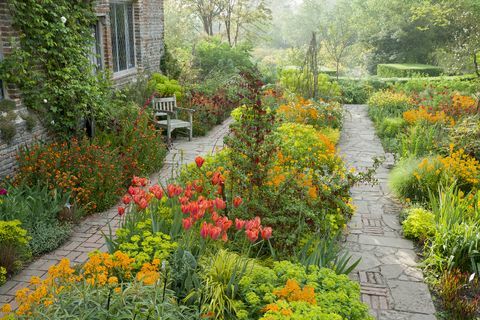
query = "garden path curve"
{"x": 87, "y": 236}
{"x": 391, "y": 282}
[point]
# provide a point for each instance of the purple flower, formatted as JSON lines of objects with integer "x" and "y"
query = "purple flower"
{"x": 3, "y": 192}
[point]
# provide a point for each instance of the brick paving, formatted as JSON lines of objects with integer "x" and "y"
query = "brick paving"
{"x": 87, "y": 236}
{"x": 391, "y": 282}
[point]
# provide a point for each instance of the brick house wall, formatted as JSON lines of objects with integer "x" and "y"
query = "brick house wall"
{"x": 148, "y": 25}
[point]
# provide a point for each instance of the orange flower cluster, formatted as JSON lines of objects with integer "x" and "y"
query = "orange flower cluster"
{"x": 301, "y": 111}
{"x": 463, "y": 167}
{"x": 102, "y": 269}
{"x": 89, "y": 172}
{"x": 462, "y": 105}
{"x": 293, "y": 292}
{"x": 424, "y": 114}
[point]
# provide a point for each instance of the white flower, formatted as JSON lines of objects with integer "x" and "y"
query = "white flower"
{"x": 45, "y": 101}
{"x": 53, "y": 122}
{"x": 472, "y": 276}
{"x": 63, "y": 19}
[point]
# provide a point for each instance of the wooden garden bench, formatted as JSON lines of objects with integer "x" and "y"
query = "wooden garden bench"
{"x": 167, "y": 107}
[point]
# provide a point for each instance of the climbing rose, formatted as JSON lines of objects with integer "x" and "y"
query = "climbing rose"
{"x": 199, "y": 161}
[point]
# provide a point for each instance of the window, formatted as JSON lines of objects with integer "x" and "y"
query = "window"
{"x": 96, "y": 57}
{"x": 123, "y": 47}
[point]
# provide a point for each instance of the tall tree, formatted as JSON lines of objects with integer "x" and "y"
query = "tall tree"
{"x": 207, "y": 11}
{"x": 338, "y": 32}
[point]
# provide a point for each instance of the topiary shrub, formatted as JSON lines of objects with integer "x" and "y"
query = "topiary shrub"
{"x": 407, "y": 70}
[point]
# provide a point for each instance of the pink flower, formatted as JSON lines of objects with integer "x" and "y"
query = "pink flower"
{"x": 266, "y": 233}
{"x": 239, "y": 224}
{"x": 3, "y": 192}
{"x": 199, "y": 161}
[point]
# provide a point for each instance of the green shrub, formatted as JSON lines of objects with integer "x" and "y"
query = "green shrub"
{"x": 355, "y": 91}
{"x": 407, "y": 70}
{"x": 419, "y": 224}
{"x": 422, "y": 140}
{"x": 390, "y": 104}
{"x": 39, "y": 208}
{"x": 165, "y": 87}
{"x": 8, "y": 130}
{"x": 14, "y": 249}
{"x": 466, "y": 135}
{"x": 466, "y": 85}
{"x": 213, "y": 55}
{"x": 298, "y": 82}
{"x": 414, "y": 178}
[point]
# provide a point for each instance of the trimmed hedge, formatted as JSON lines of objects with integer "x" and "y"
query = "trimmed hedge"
{"x": 407, "y": 70}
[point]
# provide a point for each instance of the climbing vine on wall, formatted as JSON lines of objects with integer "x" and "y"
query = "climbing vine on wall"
{"x": 50, "y": 61}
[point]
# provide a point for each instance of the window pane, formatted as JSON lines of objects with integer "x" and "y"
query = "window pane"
{"x": 113, "y": 27}
{"x": 121, "y": 45}
{"x": 131, "y": 45}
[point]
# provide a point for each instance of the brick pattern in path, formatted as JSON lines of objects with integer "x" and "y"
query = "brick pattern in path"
{"x": 391, "y": 282}
{"x": 87, "y": 236}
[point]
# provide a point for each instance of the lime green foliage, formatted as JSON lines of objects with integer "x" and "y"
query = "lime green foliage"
{"x": 420, "y": 224}
{"x": 299, "y": 310}
{"x": 332, "y": 134}
{"x": 335, "y": 294}
{"x": 384, "y": 104}
{"x": 407, "y": 70}
{"x": 3, "y": 275}
{"x": 144, "y": 245}
{"x": 293, "y": 80}
{"x": 165, "y": 87}
{"x": 412, "y": 180}
{"x": 221, "y": 276}
{"x": 14, "y": 249}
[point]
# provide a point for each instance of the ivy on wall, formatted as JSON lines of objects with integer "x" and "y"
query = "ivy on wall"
{"x": 50, "y": 62}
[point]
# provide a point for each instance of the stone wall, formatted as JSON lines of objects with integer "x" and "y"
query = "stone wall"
{"x": 149, "y": 28}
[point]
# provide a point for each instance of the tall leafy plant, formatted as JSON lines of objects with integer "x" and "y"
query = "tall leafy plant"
{"x": 50, "y": 63}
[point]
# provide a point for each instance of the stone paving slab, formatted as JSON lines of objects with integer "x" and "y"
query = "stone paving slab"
{"x": 87, "y": 236}
{"x": 390, "y": 280}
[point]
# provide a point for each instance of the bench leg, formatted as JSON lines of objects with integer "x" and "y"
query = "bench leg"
{"x": 190, "y": 133}
{"x": 190, "y": 118}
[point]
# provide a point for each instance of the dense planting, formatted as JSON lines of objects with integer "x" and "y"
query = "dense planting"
{"x": 430, "y": 128}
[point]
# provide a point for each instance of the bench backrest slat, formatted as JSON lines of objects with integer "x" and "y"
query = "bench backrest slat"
{"x": 164, "y": 104}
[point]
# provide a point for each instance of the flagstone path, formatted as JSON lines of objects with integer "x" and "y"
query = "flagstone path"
{"x": 391, "y": 283}
{"x": 87, "y": 236}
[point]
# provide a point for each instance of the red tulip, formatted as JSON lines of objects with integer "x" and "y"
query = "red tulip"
{"x": 220, "y": 204}
{"x": 126, "y": 199}
{"x": 237, "y": 201}
{"x": 187, "y": 223}
{"x": 157, "y": 191}
{"x": 204, "y": 230}
{"x": 266, "y": 233}
{"x": 252, "y": 234}
{"x": 143, "y": 203}
{"x": 199, "y": 161}
{"x": 121, "y": 211}
{"x": 239, "y": 224}
{"x": 214, "y": 232}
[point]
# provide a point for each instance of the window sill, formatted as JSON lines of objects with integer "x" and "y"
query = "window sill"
{"x": 124, "y": 73}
